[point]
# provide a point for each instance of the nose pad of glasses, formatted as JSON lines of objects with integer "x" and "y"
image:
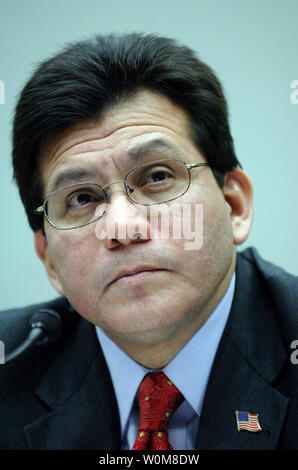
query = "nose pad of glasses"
{"x": 131, "y": 190}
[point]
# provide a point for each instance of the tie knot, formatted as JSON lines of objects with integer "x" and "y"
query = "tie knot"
{"x": 158, "y": 400}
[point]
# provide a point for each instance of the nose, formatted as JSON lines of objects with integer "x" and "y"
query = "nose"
{"x": 123, "y": 221}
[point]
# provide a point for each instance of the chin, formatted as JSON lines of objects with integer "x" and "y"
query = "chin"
{"x": 145, "y": 325}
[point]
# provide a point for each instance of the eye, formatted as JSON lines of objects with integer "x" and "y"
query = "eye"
{"x": 155, "y": 176}
{"x": 158, "y": 176}
{"x": 82, "y": 199}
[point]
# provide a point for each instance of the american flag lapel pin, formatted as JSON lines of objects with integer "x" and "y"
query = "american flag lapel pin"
{"x": 247, "y": 421}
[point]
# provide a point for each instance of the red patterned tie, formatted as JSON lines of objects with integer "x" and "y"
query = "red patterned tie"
{"x": 158, "y": 400}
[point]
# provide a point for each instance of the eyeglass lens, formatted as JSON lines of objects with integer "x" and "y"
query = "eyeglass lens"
{"x": 151, "y": 183}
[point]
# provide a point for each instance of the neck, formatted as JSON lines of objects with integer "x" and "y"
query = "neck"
{"x": 156, "y": 353}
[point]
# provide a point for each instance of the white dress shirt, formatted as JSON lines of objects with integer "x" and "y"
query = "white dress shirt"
{"x": 189, "y": 370}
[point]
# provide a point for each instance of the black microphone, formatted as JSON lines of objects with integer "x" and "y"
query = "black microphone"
{"x": 45, "y": 327}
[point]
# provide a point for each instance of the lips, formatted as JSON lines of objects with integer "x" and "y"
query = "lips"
{"x": 133, "y": 271}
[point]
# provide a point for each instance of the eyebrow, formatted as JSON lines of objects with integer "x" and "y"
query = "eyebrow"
{"x": 137, "y": 154}
{"x": 69, "y": 176}
{"x": 156, "y": 146}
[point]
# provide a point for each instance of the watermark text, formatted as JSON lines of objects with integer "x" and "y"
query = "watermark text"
{"x": 2, "y": 352}
{"x": 294, "y": 355}
{"x": 294, "y": 94}
{"x": 133, "y": 460}
{"x": 161, "y": 221}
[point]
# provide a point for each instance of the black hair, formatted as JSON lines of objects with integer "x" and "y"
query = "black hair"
{"x": 87, "y": 77}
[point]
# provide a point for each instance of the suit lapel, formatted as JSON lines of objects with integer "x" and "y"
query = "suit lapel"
{"x": 77, "y": 390}
{"x": 248, "y": 360}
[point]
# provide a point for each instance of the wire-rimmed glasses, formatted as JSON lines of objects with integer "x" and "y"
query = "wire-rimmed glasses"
{"x": 80, "y": 204}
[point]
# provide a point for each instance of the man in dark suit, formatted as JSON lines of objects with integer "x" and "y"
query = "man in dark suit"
{"x": 126, "y": 167}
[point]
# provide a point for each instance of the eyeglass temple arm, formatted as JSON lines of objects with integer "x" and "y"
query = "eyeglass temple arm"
{"x": 218, "y": 176}
{"x": 194, "y": 165}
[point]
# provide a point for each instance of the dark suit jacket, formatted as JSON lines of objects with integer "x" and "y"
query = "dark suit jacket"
{"x": 60, "y": 395}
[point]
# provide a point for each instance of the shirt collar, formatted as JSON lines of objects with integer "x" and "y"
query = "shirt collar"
{"x": 189, "y": 370}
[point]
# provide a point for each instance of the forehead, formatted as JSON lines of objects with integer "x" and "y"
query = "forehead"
{"x": 109, "y": 142}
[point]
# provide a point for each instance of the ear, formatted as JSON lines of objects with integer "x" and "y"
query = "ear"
{"x": 238, "y": 194}
{"x": 42, "y": 250}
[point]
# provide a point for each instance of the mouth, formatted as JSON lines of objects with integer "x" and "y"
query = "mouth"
{"x": 135, "y": 274}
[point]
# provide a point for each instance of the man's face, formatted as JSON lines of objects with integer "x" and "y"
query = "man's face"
{"x": 149, "y": 305}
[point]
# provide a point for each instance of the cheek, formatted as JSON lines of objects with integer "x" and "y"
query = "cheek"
{"x": 73, "y": 259}
{"x": 208, "y": 264}
{"x": 217, "y": 224}
{"x": 206, "y": 223}
{"x": 217, "y": 250}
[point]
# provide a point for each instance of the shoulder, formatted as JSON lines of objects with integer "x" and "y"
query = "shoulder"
{"x": 269, "y": 270}
{"x": 276, "y": 283}
{"x": 276, "y": 277}
{"x": 14, "y": 322}
{"x": 46, "y": 376}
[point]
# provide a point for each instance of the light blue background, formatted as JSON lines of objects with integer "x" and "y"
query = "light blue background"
{"x": 253, "y": 47}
